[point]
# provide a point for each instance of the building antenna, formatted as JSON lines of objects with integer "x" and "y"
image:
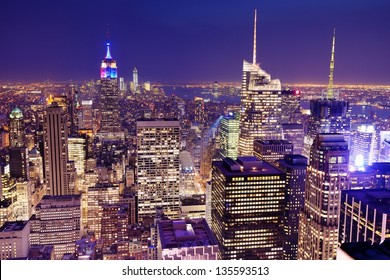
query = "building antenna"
{"x": 330, "y": 85}
{"x": 254, "y": 38}
{"x": 108, "y": 54}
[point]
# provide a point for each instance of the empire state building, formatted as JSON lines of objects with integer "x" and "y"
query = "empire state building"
{"x": 109, "y": 97}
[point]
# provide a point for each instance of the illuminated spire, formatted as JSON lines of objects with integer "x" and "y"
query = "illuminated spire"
{"x": 108, "y": 55}
{"x": 49, "y": 100}
{"x": 254, "y": 38}
{"x": 330, "y": 86}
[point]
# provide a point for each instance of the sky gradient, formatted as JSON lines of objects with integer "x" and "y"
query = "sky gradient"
{"x": 195, "y": 40}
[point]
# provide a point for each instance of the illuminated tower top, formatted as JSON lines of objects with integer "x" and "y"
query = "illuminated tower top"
{"x": 108, "y": 68}
{"x": 330, "y": 86}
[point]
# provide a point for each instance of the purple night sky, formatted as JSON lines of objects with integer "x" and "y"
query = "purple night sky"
{"x": 195, "y": 40}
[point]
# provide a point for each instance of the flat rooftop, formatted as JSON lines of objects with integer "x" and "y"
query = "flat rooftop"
{"x": 13, "y": 226}
{"x": 185, "y": 233}
{"x": 366, "y": 251}
{"x": 377, "y": 198}
{"x": 273, "y": 142}
{"x": 246, "y": 166}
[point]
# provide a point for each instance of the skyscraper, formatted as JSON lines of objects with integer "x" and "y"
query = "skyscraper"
{"x": 272, "y": 150}
{"x": 328, "y": 115}
{"x": 109, "y": 95}
{"x": 199, "y": 113}
{"x": 295, "y": 168}
{"x": 57, "y": 168}
{"x": 158, "y": 167}
{"x": 16, "y": 129}
{"x": 261, "y": 105}
{"x": 98, "y": 196}
{"x": 291, "y": 106}
{"x": 247, "y": 212}
{"x": 228, "y": 134}
{"x": 327, "y": 176}
{"x": 364, "y": 150}
{"x": 18, "y": 152}
{"x": 293, "y": 132}
{"x": 57, "y": 223}
{"x": 135, "y": 79}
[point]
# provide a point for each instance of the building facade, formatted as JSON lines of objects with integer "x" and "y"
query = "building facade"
{"x": 327, "y": 176}
{"x": 158, "y": 167}
{"x": 247, "y": 208}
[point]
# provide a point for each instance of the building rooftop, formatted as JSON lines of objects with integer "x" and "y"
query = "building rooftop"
{"x": 293, "y": 161}
{"x": 383, "y": 167}
{"x": 185, "y": 233}
{"x": 366, "y": 251}
{"x": 377, "y": 198}
{"x": 196, "y": 199}
{"x": 292, "y": 126}
{"x": 273, "y": 142}
{"x": 246, "y": 166}
{"x": 13, "y": 226}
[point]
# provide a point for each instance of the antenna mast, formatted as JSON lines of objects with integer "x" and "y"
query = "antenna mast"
{"x": 330, "y": 85}
{"x": 254, "y": 38}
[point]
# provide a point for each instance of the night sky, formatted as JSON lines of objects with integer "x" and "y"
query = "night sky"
{"x": 195, "y": 40}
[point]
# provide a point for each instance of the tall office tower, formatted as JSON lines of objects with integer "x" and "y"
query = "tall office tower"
{"x": 189, "y": 239}
{"x": 18, "y": 152}
{"x": 199, "y": 112}
{"x": 229, "y": 131}
{"x": 122, "y": 84}
{"x": 22, "y": 208}
{"x": 207, "y": 153}
{"x": 295, "y": 168}
{"x": 158, "y": 167}
{"x": 261, "y": 105}
{"x": 272, "y": 150}
{"x": 97, "y": 196}
{"x": 7, "y": 184}
{"x": 327, "y": 176}
{"x": 291, "y": 106}
{"x": 36, "y": 167}
{"x": 77, "y": 154}
{"x": 86, "y": 119}
{"x": 365, "y": 216}
{"x": 109, "y": 95}
{"x": 14, "y": 240}
{"x": 328, "y": 115}
{"x": 19, "y": 162}
{"x": 16, "y": 129}
{"x": 115, "y": 232}
{"x": 57, "y": 223}
{"x": 294, "y": 133}
{"x": 72, "y": 107}
{"x": 364, "y": 150}
{"x": 247, "y": 212}
{"x": 135, "y": 80}
{"x": 57, "y": 167}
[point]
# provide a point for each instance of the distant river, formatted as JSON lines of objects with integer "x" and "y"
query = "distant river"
{"x": 191, "y": 93}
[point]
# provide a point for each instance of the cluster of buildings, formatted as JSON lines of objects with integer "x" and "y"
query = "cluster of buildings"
{"x": 112, "y": 176}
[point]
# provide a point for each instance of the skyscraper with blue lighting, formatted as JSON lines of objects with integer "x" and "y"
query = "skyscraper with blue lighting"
{"x": 109, "y": 95}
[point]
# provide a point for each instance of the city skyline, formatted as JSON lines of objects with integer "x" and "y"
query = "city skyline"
{"x": 194, "y": 41}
